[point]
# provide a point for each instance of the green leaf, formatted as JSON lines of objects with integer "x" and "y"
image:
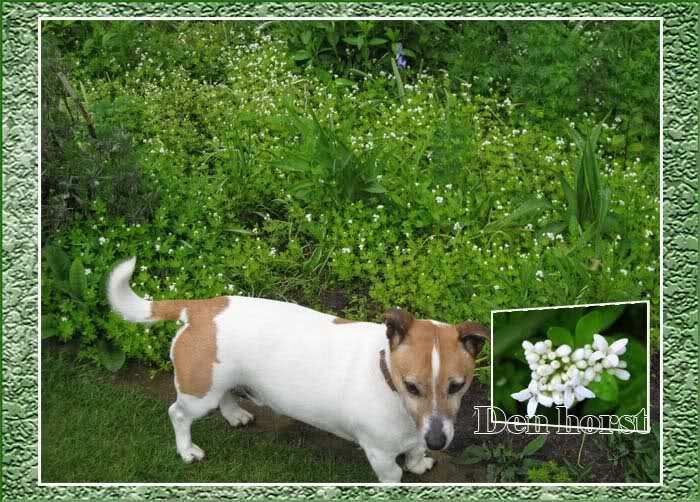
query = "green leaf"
{"x": 111, "y": 356}
{"x": 474, "y": 455}
{"x": 377, "y": 41}
{"x": 534, "y": 446}
{"x": 606, "y": 389}
{"x": 560, "y": 336}
{"x": 301, "y": 55}
{"x": 59, "y": 262}
{"x": 343, "y": 82}
{"x": 596, "y": 321}
{"x": 48, "y": 326}
{"x": 242, "y": 231}
{"x": 569, "y": 193}
{"x": 526, "y": 209}
{"x": 78, "y": 280}
{"x": 375, "y": 188}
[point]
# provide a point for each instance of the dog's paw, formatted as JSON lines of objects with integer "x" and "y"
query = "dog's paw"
{"x": 192, "y": 454}
{"x": 237, "y": 417}
{"x": 424, "y": 464}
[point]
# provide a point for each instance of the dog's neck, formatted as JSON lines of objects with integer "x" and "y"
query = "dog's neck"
{"x": 385, "y": 370}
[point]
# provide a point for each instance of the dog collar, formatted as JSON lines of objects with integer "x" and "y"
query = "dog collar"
{"x": 385, "y": 371}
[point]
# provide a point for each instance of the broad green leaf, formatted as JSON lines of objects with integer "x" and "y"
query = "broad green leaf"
{"x": 526, "y": 209}
{"x": 48, "y": 326}
{"x": 58, "y": 261}
{"x": 78, "y": 280}
{"x": 568, "y": 193}
{"x": 534, "y": 446}
{"x": 375, "y": 188}
{"x": 560, "y": 336}
{"x": 510, "y": 334}
{"x": 597, "y": 406}
{"x": 377, "y": 41}
{"x": 596, "y": 321}
{"x": 301, "y": 55}
{"x": 606, "y": 389}
{"x": 343, "y": 82}
{"x": 474, "y": 455}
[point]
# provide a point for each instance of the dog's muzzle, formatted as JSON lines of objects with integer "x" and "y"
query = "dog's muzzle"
{"x": 435, "y": 438}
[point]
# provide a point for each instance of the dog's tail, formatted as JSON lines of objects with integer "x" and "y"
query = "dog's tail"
{"x": 132, "y": 307}
{"x": 122, "y": 298}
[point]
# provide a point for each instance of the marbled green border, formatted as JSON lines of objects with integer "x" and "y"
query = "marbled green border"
{"x": 20, "y": 261}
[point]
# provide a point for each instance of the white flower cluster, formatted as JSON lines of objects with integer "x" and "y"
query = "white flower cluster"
{"x": 560, "y": 376}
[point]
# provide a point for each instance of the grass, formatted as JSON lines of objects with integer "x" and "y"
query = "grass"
{"x": 94, "y": 431}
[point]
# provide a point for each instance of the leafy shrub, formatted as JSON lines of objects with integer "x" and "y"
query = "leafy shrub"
{"x": 548, "y": 472}
{"x": 637, "y": 453}
{"x": 424, "y": 212}
{"x": 81, "y": 162}
{"x": 503, "y": 463}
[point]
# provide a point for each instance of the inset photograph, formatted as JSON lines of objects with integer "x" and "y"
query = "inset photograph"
{"x": 573, "y": 367}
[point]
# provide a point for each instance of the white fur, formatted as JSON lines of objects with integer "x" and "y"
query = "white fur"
{"x": 435, "y": 363}
{"x": 301, "y": 364}
{"x": 121, "y": 296}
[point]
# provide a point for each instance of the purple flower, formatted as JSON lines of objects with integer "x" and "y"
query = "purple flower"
{"x": 400, "y": 58}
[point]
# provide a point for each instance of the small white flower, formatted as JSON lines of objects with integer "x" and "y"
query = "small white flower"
{"x": 439, "y": 199}
{"x": 88, "y": 271}
{"x": 308, "y": 217}
{"x": 101, "y": 240}
{"x": 523, "y": 395}
{"x": 346, "y": 250}
{"x": 582, "y": 393}
{"x": 619, "y": 373}
{"x": 618, "y": 347}
{"x": 539, "y": 274}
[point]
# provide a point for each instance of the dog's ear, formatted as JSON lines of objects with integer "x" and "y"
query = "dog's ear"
{"x": 472, "y": 336}
{"x": 397, "y": 322}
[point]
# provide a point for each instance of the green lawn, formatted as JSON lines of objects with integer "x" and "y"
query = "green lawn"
{"x": 94, "y": 431}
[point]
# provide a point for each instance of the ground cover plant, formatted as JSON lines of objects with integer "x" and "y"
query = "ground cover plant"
{"x": 347, "y": 166}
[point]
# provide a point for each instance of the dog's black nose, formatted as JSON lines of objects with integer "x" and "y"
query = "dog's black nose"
{"x": 435, "y": 439}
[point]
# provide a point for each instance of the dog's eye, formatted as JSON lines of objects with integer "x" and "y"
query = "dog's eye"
{"x": 455, "y": 387}
{"x": 411, "y": 388}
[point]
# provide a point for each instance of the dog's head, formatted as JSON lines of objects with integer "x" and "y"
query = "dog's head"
{"x": 432, "y": 366}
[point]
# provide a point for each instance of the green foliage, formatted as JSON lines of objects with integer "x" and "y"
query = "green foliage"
{"x": 79, "y": 163}
{"x": 637, "y": 453}
{"x": 503, "y": 463}
{"x": 409, "y": 201}
{"x": 331, "y": 172}
{"x": 549, "y": 472}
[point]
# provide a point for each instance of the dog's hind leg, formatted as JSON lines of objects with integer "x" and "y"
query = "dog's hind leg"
{"x": 182, "y": 413}
{"x": 232, "y": 411}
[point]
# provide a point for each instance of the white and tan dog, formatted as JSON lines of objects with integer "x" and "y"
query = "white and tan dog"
{"x": 323, "y": 370}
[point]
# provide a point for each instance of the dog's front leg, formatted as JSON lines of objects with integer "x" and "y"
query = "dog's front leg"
{"x": 417, "y": 462}
{"x": 384, "y": 465}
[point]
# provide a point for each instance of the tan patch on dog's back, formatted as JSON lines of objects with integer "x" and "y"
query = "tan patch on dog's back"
{"x": 194, "y": 349}
{"x": 340, "y": 320}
